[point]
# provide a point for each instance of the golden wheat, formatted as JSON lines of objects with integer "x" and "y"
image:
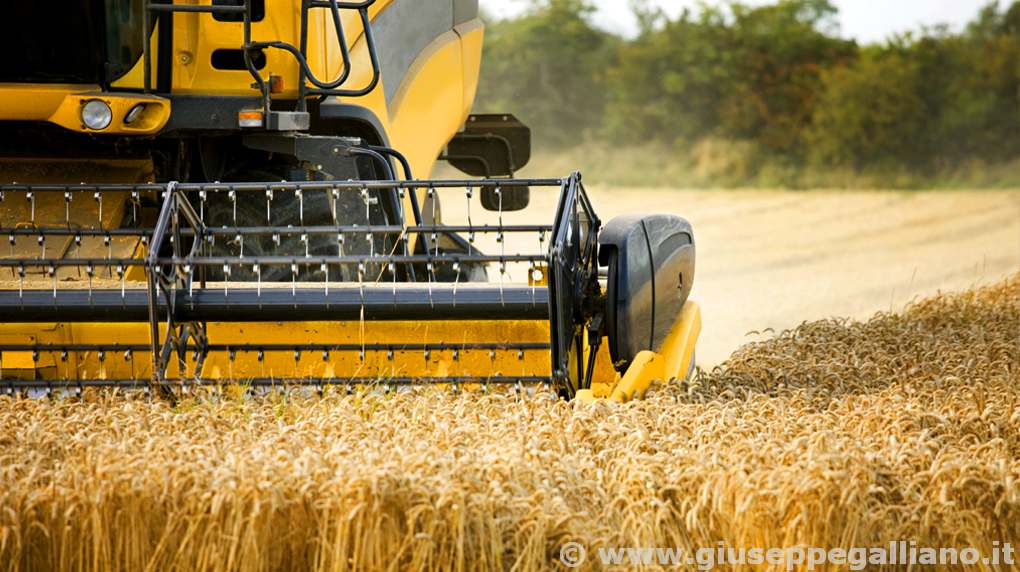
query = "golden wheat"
{"x": 833, "y": 434}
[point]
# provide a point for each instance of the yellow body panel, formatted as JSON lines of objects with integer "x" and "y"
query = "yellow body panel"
{"x": 61, "y": 105}
{"x": 672, "y": 361}
{"x": 246, "y": 365}
{"x": 416, "y": 107}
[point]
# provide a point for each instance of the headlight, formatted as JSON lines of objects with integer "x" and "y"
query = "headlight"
{"x": 135, "y": 112}
{"x": 96, "y": 114}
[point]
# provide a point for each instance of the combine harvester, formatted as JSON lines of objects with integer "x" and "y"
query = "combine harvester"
{"x": 202, "y": 194}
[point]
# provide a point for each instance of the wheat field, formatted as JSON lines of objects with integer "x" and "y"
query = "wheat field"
{"x": 836, "y": 433}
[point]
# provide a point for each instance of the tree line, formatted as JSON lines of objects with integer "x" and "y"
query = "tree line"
{"x": 775, "y": 85}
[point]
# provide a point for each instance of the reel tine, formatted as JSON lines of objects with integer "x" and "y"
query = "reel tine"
{"x": 324, "y": 268}
{"x": 98, "y": 196}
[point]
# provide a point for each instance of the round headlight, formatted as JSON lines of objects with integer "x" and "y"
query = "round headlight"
{"x": 96, "y": 114}
{"x": 135, "y": 112}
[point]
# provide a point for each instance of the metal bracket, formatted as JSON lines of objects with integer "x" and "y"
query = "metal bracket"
{"x": 326, "y": 154}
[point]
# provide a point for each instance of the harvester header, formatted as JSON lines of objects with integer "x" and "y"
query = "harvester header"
{"x": 223, "y": 193}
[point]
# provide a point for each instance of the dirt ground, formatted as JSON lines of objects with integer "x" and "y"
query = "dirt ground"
{"x": 769, "y": 260}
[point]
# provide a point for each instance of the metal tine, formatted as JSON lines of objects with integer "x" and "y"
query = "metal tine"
{"x": 434, "y": 201}
{"x": 533, "y": 279}
{"x": 301, "y": 205}
{"x": 456, "y": 280}
{"x": 232, "y": 195}
{"x": 123, "y": 279}
{"x": 136, "y": 198}
{"x": 67, "y": 207}
{"x": 468, "y": 192}
{"x": 52, "y": 271}
{"x": 42, "y": 245}
{"x": 502, "y": 274}
{"x": 406, "y": 239}
{"x": 98, "y": 196}
{"x": 31, "y": 199}
{"x": 502, "y": 245}
{"x": 369, "y": 201}
{"x": 257, "y": 269}
{"x": 361, "y": 313}
{"x": 129, "y": 357}
{"x": 393, "y": 274}
{"x": 89, "y": 270}
{"x": 335, "y": 194}
{"x": 67, "y": 367}
{"x": 325, "y": 270}
{"x": 293, "y": 279}
{"x": 202, "y": 195}
{"x": 430, "y": 268}
{"x": 269, "y": 201}
{"x": 226, "y": 280}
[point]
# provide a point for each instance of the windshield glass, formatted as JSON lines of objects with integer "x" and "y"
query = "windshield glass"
{"x": 71, "y": 42}
{"x": 123, "y": 36}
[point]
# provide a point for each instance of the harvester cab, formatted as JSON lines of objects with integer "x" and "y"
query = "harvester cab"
{"x": 189, "y": 204}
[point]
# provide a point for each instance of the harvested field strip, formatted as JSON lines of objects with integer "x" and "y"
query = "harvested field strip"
{"x": 905, "y": 427}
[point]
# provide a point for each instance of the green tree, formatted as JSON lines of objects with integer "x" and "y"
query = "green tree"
{"x": 666, "y": 85}
{"x": 782, "y": 51}
{"x": 548, "y": 67}
{"x": 869, "y": 113}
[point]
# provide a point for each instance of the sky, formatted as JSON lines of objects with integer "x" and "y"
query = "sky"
{"x": 863, "y": 20}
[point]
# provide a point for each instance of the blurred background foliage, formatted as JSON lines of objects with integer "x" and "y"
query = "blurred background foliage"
{"x": 760, "y": 96}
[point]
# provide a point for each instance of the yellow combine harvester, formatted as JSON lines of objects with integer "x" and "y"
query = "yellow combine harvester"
{"x": 200, "y": 193}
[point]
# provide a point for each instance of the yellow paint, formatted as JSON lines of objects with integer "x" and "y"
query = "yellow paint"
{"x": 61, "y": 104}
{"x": 246, "y": 365}
{"x": 672, "y": 361}
{"x": 471, "y": 35}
